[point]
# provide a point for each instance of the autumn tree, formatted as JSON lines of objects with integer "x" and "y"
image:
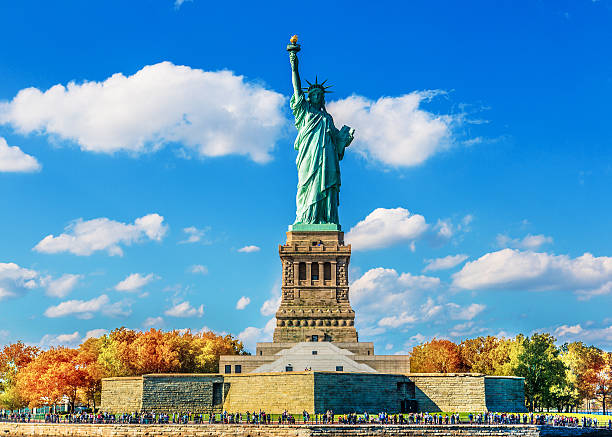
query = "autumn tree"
{"x": 87, "y": 358}
{"x": 129, "y": 353}
{"x": 599, "y": 377}
{"x": 437, "y": 356}
{"x": 13, "y": 358}
{"x": 53, "y": 375}
{"x": 490, "y": 355}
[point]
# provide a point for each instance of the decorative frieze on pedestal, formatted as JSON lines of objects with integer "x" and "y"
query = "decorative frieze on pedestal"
{"x": 315, "y": 293}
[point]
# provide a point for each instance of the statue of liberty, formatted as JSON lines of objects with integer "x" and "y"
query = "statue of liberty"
{"x": 320, "y": 148}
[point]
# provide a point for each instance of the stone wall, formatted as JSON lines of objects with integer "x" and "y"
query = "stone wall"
{"x": 358, "y": 392}
{"x": 120, "y": 395}
{"x": 505, "y": 393}
{"x": 449, "y": 391}
{"x": 64, "y": 430}
{"x": 398, "y": 364}
{"x": 270, "y": 392}
{"x": 313, "y": 392}
{"x": 181, "y": 392}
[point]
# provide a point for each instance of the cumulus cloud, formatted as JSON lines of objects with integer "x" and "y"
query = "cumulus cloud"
{"x": 600, "y": 336}
{"x": 447, "y": 262}
{"x": 152, "y": 321}
{"x": 383, "y": 299}
{"x": 62, "y": 286}
{"x": 511, "y": 269}
{"x": 270, "y": 306}
{"x": 60, "y": 340}
{"x": 395, "y": 131}
{"x": 528, "y": 242}
{"x": 16, "y": 281}
{"x": 252, "y": 335}
{"x": 135, "y": 282}
{"x": 242, "y": 303}
{"x": 13, "y": 159}
{"x": 209, "y": 113}
{"x": 249, "y": 249}
{"x": 194, "y": 235}
{"x": 95, "y": 333}
{"x": 85, "y": 309}
{"x": 198, "y": 269}
{"x": 184, "y": 309}
{"x": 457, "y": 312}
{"x": 385, "y": 227}
{"x": 86, "y": 237}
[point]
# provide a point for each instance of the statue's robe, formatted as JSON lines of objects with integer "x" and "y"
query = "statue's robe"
{"x": 320, "y": 148}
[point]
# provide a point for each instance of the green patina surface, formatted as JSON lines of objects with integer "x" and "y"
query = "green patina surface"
{"x": 320, "y": 146}
{"x": 315, "y": 227}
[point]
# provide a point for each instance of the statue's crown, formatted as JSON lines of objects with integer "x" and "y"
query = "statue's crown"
{"x": 316, "y": 84}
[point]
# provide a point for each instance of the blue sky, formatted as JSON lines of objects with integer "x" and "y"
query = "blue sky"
{"x": 147, "y": 171}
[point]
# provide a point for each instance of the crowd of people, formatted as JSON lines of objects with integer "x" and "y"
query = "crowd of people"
{"x": 263, "y": 418}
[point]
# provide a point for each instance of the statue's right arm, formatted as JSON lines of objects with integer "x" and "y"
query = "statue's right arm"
{"x": 295, "y": 75}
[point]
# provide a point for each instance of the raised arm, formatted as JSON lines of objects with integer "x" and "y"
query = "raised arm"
{"x": 295, "y": 75}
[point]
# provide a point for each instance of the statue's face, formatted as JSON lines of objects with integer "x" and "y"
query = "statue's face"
{"x": 316, "y": 97}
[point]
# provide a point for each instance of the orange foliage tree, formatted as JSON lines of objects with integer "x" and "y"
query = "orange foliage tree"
{"x": 13, "y": 358}
{"x": 437, "y": 356}
{"x": 53, "y": 375}
{"x": 129, "y": 353}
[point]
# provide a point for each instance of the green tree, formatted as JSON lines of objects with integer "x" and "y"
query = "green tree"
{"x": 540, "y": 365}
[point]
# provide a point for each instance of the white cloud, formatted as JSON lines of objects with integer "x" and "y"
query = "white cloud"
{"x": 179, "y": 3}
{"x": 194, "y": 235}
{"x": 184, "y": 309}
{"x": 385, "y": 227}
{"x": 95, "y": 333}
{"x": 249, "y": 249}
{"x": 528, "y": 242}
{"x": 86, "y": 237}
{"x": 242, "y": 303}
{"x": 563, "y": 330}
{"x": 210, "y": 113}
{"x": 395, "y": 130}
{"x": 445, "y": 229}
{"x": 399, "y": 320}
{"x": 458, "y": 312}
{"x": 598, "y": 336}
{"x": 198, "y": 269}
{"x": 60, "y": 340}
{"x": 271, "y": 305}
{"x": 135, "y": 282}
{"x": 85, "y": 309}
{"x": 13, "y": 159}
{"x": 252, "y": 335}
{"x": 383, "y": 299}
{"x": 447, "y": 262}
{"x": 511, "y": 269}
{"x": 152, "y": 321}
{"x": 15, "y": 280}
{"x": 62, "y": 286}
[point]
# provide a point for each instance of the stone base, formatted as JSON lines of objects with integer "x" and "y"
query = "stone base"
{"x": 315, "y": 392}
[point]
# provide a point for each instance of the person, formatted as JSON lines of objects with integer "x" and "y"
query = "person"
{"x": 320, "y": 147}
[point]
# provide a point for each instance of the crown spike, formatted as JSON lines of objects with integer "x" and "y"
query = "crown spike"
{"x": 323, "y": 83}
{"x": 309, "y": 82}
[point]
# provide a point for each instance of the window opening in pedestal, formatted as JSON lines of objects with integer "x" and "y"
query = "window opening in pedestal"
{"x": 315, "y": 271}
{"x": 228, "y": 368}
{"x": 327, "y": 271}
{"x": 302, "y": 270}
